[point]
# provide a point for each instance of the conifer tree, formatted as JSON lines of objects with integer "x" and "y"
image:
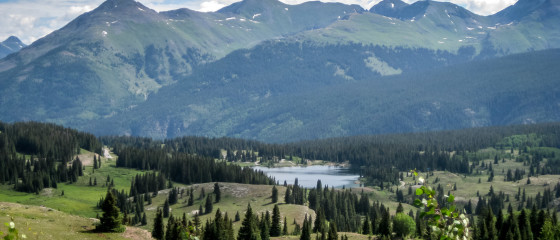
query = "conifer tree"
{"x": 287, "y": 196}
{"x": 94, "y": 162}
{"x": 217, "y": 192}
{"x": 202, "y": 194}
{"x": 400, "y": 208}
{"x": 166, "y": 209}
{"x": 197, "y": 222}
{"x": 333, "y": 234}
{"x": 305, "y": 230}
{"x": 249, "y": 229}
{"x": 275, "y": 229}
{"x": 285, "y": 229}
{"x": 208, "y": 206}
{"x": 158, "y": 232}
{"x": 366, "y": 227}
{"x": 191, "y": 200}
{"x": 524, "y": 226}
{"x": 169, "y": 229}
{"x": 110, "y": 221}
{"x": 274, "y": 194}
{"x": 385, "y": 224}
{"x": 144, "y": 220}
{"x": 264, "y": 229}
{"x": 547, "y": 230}
{"x": 173, "y": 196}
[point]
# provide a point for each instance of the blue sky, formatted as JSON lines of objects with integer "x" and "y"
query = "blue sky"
{"x": 32, "y": 19}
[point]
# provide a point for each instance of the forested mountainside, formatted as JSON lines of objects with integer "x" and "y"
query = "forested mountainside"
{"x": 108, "y": 62}
{"x": 345, "y": 96}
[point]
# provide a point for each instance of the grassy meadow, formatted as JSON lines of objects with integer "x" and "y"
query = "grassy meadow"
{"x": 45, "y": 215}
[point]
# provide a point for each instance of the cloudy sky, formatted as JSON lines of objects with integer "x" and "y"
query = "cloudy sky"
{"x": 32, "y": 19}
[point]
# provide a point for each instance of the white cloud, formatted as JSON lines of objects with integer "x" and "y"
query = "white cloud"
{"x": 210, "y": 6}
{"x": 32, "y": 19}
{"x": 80, "y": 9}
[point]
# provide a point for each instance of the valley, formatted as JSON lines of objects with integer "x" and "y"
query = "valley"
{"x": 268, "y": 120}
{"x": 510, "y": 167}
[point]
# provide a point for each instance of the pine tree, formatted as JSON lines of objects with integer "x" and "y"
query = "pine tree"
{"x": 385, "y": 224}
{"x": 197, "y": 222}
{"x": 264, "y": 229}
{"x": 400, "y": 208}
{"x": 547, "y": 230}
{"x": 169, "y": 229}
{"x": 144, "y": 220}
{"x": 237, "y": 217}
{"x": 366, "y": 227}
{"x": 208, "y": 206}
{"x": 158, "y": 232}
{"x": 524, "y": 226}
{"x": 110, "y": 221}
{"x": 191, "y": 200}
{"x": 333, "y": 234}
{"x": 275, "y": 229}
{"x": 202, "y": 194}
{"x": 166, "y": 209}
{"x": 305, "y": 230}
{"x": 173, "y": 196}
{"x": 249, "y": 229}
{"x": 274, "y": 194}
{"x": 217, "y": 192}
{"x": 287, "y": 196}
{"x": 285, "y": 229}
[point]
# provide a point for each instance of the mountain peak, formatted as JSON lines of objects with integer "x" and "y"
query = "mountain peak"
{"x": 10, "y": 45}
{"x": 121, "y": 5}
{"x": 251, "y": 6}
{"x": 401, "y": 10}
{"x": 388, "y": 8}
{"x": 13, "y": 39}
{"x": 524, "y": 8}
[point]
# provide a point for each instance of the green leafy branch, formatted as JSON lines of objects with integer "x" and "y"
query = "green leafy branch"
{"x": 446, "y": 222}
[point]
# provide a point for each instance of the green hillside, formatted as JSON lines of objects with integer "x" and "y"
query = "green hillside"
{"x": 107, "y": 62}
{"x": 114, "y": 57}
{"x": 343, "y": 97}
{"x": 38, "y": 222}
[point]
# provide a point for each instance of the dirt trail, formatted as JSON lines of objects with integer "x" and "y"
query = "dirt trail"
{"x": 106, "y": 153}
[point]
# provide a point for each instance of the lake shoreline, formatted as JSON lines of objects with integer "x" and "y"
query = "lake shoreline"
{"x": 331, "y": 175}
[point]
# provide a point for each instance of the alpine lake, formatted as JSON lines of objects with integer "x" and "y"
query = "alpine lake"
{"x": 331, "y": 176}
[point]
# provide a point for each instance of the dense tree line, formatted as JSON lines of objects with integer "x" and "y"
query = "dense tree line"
{"x": 379, "y": 158}
{"x": 50, "y": 150}
{"x": 187, "y": 168}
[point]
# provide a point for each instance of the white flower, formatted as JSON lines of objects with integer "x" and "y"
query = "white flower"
{"x": 23, "y": 236}
{"x": 421, "y": 180}
{"x": 12, "y": 225}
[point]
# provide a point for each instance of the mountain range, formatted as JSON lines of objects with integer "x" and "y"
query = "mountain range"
{"x": 271, "y": 71}
{"x": 10, "y": 45}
